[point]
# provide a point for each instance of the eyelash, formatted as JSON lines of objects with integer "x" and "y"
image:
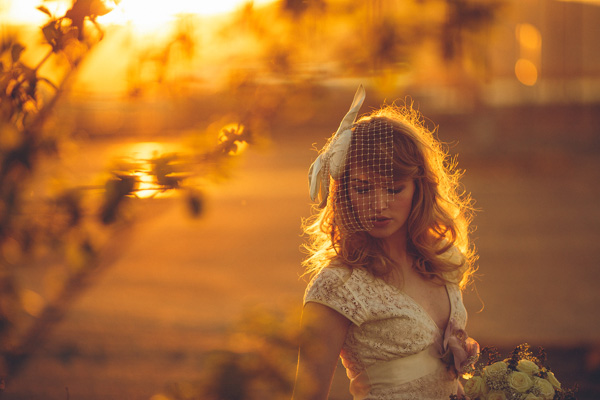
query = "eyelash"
{"x": 365, "y": 190}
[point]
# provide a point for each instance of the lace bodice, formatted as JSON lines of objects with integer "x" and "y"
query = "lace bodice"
{"x": 387, "y": 324}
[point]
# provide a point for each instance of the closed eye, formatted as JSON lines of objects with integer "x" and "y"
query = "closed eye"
{"x": 361, "y": 189}
{"x": 360, "y": 186}
{"x": 397, "y": 190}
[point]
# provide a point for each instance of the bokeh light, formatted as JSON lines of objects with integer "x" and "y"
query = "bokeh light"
{"x": 526, "y": 72}
{"x": 33, "y": 302}
{"x": 529, "y": 40}
{"x": 529, "y": 37}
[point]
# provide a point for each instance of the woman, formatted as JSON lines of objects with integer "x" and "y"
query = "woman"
{"x": 389, "y": 254}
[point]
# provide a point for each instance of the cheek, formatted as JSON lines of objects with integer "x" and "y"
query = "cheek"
{"x": 354, "y": 199}
{"x": 404, "y": 202}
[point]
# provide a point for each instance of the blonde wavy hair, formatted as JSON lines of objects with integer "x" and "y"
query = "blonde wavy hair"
{"x": 438, "y": 225}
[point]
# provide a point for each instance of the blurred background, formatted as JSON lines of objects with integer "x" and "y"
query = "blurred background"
{"x": 153, "y": 179}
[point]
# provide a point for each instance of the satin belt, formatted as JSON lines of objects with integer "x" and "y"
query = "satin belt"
{"x": 394, "y": 373}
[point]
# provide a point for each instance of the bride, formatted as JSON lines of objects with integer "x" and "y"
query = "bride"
{"x": 389, "y": 256}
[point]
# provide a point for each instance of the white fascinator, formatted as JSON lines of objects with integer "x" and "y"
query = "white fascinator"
{"x": 333, "y": 156}
{"x": 354, "y": 171}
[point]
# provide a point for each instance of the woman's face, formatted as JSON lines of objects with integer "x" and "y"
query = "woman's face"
{"x": 387, "y": 214}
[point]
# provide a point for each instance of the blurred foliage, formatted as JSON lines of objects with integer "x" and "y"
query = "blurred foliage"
{"x": 153, "y": 63}
{"x": 150, "y": 177}
{"x": 465, "y": 17}
{"x": 25, "y": 109}
{"x": 297, "y": 42}
{"x": 320, "y": 39}
{"x": 258, "y": 364}
{"x": 56, "y": 236}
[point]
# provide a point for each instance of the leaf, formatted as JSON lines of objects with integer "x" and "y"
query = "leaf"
{"x": 116, "y": 191}
{"x": 45, "y": 10}
{"x": 16, "y": 51}
{"x": 98, "y": 8}
{"x": 162, "y": 168}
{"x": 195, "y": 202}
{"x": 71, "y": 204}
{"x": 51, "y": 33}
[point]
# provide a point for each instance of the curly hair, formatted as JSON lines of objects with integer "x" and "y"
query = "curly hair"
{"x": 439, "y": 222}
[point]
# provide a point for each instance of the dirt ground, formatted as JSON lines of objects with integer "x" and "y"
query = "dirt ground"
{"x": 181, "y": 283}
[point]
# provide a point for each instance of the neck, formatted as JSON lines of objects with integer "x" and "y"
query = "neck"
{"x": 396, "y": 249}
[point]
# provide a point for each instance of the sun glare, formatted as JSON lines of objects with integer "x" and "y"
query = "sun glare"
{"x": 145, "y": 15}
{"x": 141, "y": 154}
{"x": 26, "y": 12}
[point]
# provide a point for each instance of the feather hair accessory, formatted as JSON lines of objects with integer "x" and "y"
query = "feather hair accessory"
{"x": 331, "y": 160}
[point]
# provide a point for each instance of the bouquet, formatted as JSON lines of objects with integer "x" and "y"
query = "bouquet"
{"x": 522, "y": 376}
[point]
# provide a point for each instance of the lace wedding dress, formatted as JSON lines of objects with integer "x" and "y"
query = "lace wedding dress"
{"x": 389, "y": 352}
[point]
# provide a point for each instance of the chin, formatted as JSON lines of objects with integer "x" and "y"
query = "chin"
{"x": 387, "y": 232}
{"x": 377, "y": 234}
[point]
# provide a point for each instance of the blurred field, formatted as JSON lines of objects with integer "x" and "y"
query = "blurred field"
{"x": 181, "y": 284}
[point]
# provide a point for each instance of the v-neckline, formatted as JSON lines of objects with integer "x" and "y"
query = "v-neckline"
{"x": 420, "y": 307}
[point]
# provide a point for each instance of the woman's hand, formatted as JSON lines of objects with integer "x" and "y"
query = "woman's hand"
{"x": 323, "y": 331}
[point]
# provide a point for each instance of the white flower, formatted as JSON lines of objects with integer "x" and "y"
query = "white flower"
{"x": 543, "y": 387}
{"x": 495, "y": 371}
{"x": 475, "y": 387}
{"x": 528, "y": 367}
{"x": 520, "y": 381}
{"x": 496, "y": 395}
{"x": 532, "y": 396}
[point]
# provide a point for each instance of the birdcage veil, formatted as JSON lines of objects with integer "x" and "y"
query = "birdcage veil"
{"x": 353, "y": 174}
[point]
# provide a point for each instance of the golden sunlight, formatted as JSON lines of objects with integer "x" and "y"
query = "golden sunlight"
{"x": 141, "y": 155}
{"x": 143, "y": 14}
{"x": 26, "y": 12}
{"x": 146, "y": 16}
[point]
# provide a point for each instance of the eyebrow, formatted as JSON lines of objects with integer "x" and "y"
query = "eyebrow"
{"x": 366, "y": 182}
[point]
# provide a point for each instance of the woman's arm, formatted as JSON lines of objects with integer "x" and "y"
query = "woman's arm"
{"x": 322, "y": 334}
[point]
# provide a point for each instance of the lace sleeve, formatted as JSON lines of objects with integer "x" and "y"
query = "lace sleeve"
{"x": 330, "y": 288}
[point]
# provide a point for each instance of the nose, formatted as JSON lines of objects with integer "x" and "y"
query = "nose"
{"x": 379, "y": 200}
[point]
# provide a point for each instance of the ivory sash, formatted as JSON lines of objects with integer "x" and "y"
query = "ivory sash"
{"x": 395, "y": 372}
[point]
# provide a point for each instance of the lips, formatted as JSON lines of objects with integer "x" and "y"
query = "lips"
{"x": 380, "y": 222}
